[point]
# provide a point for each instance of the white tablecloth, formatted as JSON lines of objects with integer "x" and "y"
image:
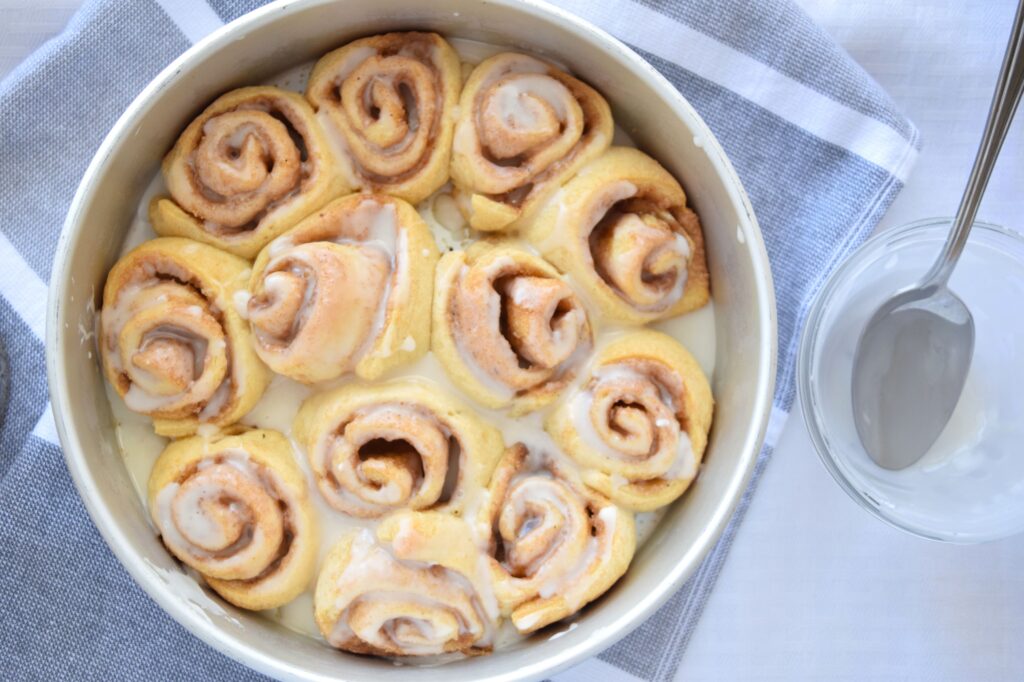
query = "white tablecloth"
{"x": 815, "y": 589}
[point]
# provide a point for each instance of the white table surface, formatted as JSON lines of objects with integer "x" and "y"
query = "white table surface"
{"x": 815, "y": 588}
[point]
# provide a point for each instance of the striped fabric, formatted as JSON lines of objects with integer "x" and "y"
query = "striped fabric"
{"x": 820, "y": 148}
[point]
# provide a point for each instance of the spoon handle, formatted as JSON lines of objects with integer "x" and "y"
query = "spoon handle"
{"x": 1000, "y": 115}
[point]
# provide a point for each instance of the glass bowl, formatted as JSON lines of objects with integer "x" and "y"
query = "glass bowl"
{"x": 970, "y": 486}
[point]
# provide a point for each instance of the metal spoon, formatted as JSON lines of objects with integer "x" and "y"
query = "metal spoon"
{"x": 911, "y": 361}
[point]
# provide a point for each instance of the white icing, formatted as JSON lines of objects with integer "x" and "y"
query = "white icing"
{"x": 696, "y": 331}
{"x": 669, "y": 464}
{"x": 684, "y": 466}
{"x": 207, "y": 431}
{"x": 464, "y": 141}
{"x": 368, "y": 561}
{"x": 279, "y": 246}
{"x": 277, "y": 409}
{"x": 396, "y": 289}
{"x": 519, "y": 63}
{"x": 352, "y": 60}
{"x": 619, "y": 481}
{"x": 511, "y": 98}
{"x": 441, "y": 213}
{"x": 524, "y": 295}
{"x": 367, "y": 497}
{"x": 241, "y": 302}
{"x": 371, "y": 225}
{"x": 184, "y": 525}
{"x": 219, "y": 400}
{"x": 140, "y": 446}
{"x": 446, "y": 212}
{"x": 646, "y": 523}
{"x": 680, "y": 246}
{"x": 339, "y": 150}
{"x": 235, "y": 140}
{"x": 481, "y": 375}
{"x": 529, "y": 620}
{"x": 568, "y": 585}
{"x": 140, "y": 401}
{"x": 610, "y": 195}
{"x": 541, "y": 487}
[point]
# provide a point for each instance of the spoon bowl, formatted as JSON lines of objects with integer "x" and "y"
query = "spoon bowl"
{"x": 909, "y": 371}
{"x": 913, "y": 356}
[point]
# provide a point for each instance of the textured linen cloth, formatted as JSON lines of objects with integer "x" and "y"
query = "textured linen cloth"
{"x": 820, "y": 149}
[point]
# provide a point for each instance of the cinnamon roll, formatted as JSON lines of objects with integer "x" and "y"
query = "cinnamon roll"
{"x": 236, "y": 510}
{"x": 554, "y": 545}
{"x": 507, "y": 328}
{"x": 418, "y": 588}
{"x": 249, "y": 167}
{"x": 524, "y": 128}
{"x": 348, "y": 289}
{"x": 388, "y": 103}
{"x": 379, "y": 448}
{"x": 172, "y": 343}
{"x": 639, "y": 424}
{"x": 622, "y": 230}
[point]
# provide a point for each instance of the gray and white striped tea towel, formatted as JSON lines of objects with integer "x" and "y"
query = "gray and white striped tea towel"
{"x": 819, "y": 147}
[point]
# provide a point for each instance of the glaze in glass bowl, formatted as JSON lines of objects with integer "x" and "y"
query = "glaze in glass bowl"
{"x": 970, "y": 486}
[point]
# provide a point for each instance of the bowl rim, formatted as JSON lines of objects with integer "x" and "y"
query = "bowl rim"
{"x": 808, "y": 394}
{"x": 633, "y": 615}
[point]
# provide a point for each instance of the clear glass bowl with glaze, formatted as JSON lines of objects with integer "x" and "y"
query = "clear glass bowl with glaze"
{"x": 970, "y": 486}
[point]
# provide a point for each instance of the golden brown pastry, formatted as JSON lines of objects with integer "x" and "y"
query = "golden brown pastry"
{"x": 173, "y": 346}
{"x": 554, "y": 545}
{"x": 298, "y": 238}
{"x": 249, "y": 167}
{"x": 388, "y": 102}
{"x": 621, "y": 229}
{"x": 236, "y": 510}
{"x": 524, "y": 128}
{"x": 346, "y": 290}
{"x": 418, "y": 588}
{"x": 639, "y": 424}
{"x": 399, "y": 445}
{"x": 507, "y": 328}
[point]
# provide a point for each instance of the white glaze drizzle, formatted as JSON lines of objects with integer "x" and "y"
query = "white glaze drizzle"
{"x": 681, "y": 463}
{"x": 140, "y": 445}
